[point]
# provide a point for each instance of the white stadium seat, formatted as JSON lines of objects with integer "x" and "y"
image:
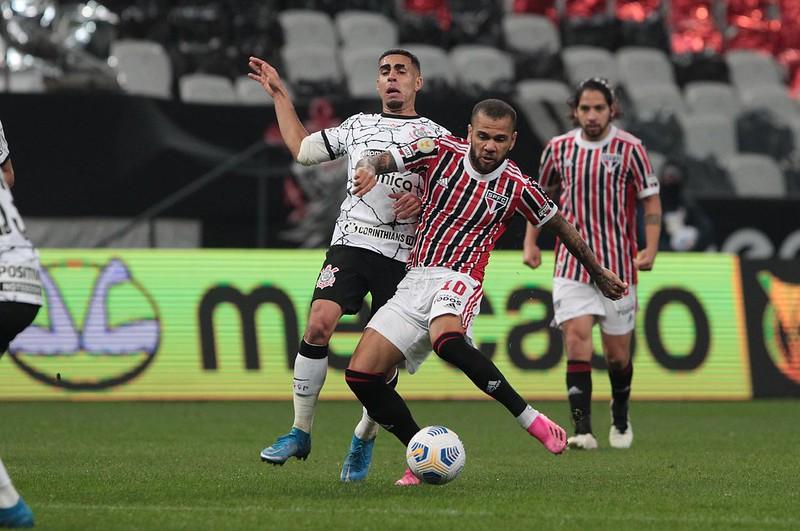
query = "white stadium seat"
{"x": 709, "y": 134}
{"x": 366, "y": 29}
{"x": 532, "y": 34}
{"x": 481, "y": 66}
{"x": 361, "y": 67}
{"x": 143, "y": 67}
{"x": 583, "y": 62}
{"x": 307, "y": 28}
{"x": 207, "y": 88}
{"x": 755, "y": 176}
{"x": 710, "y": 97}
{"x": 644, "y": 66}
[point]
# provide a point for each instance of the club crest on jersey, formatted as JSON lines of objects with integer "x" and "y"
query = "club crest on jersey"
{"x": 421, "y": 131}
{"x": 495, "y": 201}
{"x": 611, "y": 161}
{"x": 327, "y": 277}
{"x": 425, "y": 145}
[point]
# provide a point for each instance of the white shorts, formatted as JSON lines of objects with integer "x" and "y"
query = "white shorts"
{"x": 423, "y": 295}
{"x": 573, "y": 299}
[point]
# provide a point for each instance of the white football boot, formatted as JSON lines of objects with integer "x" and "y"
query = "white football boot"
{"x": 582, "y": 441}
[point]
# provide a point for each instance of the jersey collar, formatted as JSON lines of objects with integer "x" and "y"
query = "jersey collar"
{"x": 475, "y": 174}
{"x": 587, "y": 144}
{"x": 399, "y": 116}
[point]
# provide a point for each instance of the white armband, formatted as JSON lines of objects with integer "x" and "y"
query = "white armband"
{"x": 313, "y": 150}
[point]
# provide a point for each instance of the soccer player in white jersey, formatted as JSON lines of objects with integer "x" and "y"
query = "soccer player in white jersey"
{"x": 20, "y": 300}
{"x": 371, "y": 241}
{"x": 602, "y": 171}
{"x": 472, "y": 191}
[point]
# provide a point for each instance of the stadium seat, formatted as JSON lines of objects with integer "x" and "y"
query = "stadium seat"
{"x": 707, "y": 97}
{"x": 249, "y": 92}
{"x": 707, "y": 134}
{"x": 544, "y": 104}
{"x": 755, "y": 176}
{"x": 644, "y": 66}
{"x": 307, "y": 28}
{"x": 530, "y": 34}
{"x": 583, "y": 62}
{"x": 30, "y": 80}
{"x": 482, "y": 68}
{"x": 361, "y": 68}
{"x": 312, "y": 69}
{"x": 207, "y": 88}
{"x": 435, "y": 63}
{"x": 366, "y": 29}
{"x": 143, "y": 67}
{"x": 650, "y": 101}
{"x": 749, "y": 69}
{"x": 774, "y": 99}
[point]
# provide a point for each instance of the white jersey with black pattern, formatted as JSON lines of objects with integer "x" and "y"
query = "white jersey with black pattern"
{"x": 369, "y": 222}
{"x": 19, "y": 261}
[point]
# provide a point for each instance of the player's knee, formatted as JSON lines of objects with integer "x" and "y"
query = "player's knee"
{"x": 617, "y": 360}
{"x": 446, "y": 344}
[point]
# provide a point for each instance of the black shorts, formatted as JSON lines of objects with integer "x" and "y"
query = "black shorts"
{"x": 349, "y": 273}
{"x": 14, "y": 318}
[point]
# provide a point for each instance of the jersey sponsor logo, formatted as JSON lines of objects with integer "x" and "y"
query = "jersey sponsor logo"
{"x": 396, "y": 180}
{"x": 495, "y": 201}
{"x": 425, "y": 145}
{"x": 611, "y": 161}
{"x": 351, "y": 227}
{"x": 327, "y": 277}
{"x": 370, "y": 153}
{"x": 103, "y": 329}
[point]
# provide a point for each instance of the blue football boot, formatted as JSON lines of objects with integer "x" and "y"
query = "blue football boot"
{"x": 19, "y": 515}
{"x": 356, "y": 463}
{"x": 296, "y": 443}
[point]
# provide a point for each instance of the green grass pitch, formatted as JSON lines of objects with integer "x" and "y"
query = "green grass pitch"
{"x": 172, "y": 466}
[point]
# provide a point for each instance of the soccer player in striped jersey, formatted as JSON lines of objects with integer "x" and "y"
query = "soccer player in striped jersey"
{"x": 20, "y": 300}
{"x": 371, "y": 241}
{"x": 601, "y": 171}
{"x": 472, "y": 191}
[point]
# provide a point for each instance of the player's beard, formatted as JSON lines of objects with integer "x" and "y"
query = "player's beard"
{"x": 479, "y": 165}
{"x": 394, "y": 105}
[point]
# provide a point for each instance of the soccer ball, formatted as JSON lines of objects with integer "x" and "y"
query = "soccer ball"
{"x": 436, "y": 455}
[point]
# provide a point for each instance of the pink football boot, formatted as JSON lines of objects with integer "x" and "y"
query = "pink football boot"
{"x": 408, "y": 479}
{"x": 550, "y": 434}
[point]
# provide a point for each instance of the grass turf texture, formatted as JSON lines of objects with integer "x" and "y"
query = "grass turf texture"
{"x": 172, "y": 466}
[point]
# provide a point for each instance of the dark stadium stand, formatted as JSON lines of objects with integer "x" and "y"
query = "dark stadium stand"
{"x": 710, "y": 84}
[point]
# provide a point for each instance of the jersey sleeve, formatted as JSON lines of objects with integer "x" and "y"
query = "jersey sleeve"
{"x": 4, "y": 152}
{"x": 535, "y": 204}
{"x": 644, "y": 180}
{"x": 418, "y": 157}
{"x": 336, "y": 138}
{"x": 548, "y": 173}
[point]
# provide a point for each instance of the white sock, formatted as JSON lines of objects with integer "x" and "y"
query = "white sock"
{"x": 8, "y": 494}
{"x": 366, "y": 429}
{"x": 309, "y": 377}
{"x": 527, "y": 417}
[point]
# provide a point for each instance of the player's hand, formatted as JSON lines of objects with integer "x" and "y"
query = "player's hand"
{"x": 265, "y": 73}
{"x": 532, "y": 256}
{"x": 644, "y": 260}
{"x": 407, "y": 205}
{"x": 363, "y": 181}
{"x": 610, "y": 284}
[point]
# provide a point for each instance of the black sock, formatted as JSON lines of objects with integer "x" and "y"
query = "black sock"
{"x": 315, "y": 352}
{"x": 621, "y": 393}
{"x": 453, "y": 348}
{"x": 394, "y": 379}
{"x": 579, "y": 392}
{"x": 383, "y": 404}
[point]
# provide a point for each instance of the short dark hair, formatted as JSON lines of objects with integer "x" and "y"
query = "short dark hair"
{"x": 401, "y": 51}
{"x": 495, "y": 109}
{"x": 599, "y": 84}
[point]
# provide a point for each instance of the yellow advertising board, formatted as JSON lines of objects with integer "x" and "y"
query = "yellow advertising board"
{"x": 224, "y": 324}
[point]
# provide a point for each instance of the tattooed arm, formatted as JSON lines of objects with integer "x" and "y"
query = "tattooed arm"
{"x": 607, "y": 281}
{"x": 652, "y": 231}
{"x": 366, "y": 170}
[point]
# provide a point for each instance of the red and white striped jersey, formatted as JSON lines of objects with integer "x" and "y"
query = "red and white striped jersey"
{"x": 464, "y": 213}
{"x": 600, "y": 183}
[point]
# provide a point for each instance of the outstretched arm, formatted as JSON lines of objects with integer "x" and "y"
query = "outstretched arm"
{"x": 292, "y": 129}
{"x": 607, "y": 281}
